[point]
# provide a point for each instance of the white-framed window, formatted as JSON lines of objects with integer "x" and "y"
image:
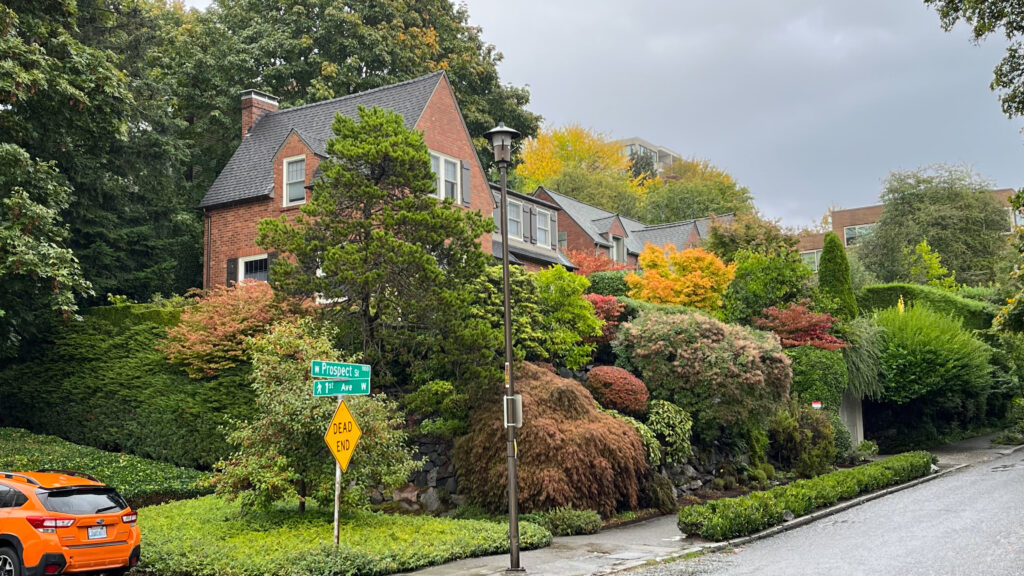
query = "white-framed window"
{"x": 1015, "y": 218}
{"x": 294, "y": 180}
{"x": 563, "y": 241}
{"x": 811, "y": 258}
{"x": 618, "y": 249}
{"x": 515, "y": 219}
{"x": 448, "y": 172}
{"x": 853, "y": 234}
{"x": 254, "y": 268}
{"x": 543, "y": 227}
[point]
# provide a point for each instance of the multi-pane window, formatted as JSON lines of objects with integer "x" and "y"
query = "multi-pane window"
{"x": 254, "y": 268}
{"x": 515, "y": 219}
{"x": 446, "y": 171}
{"x": 811, "y": 258}
{"x": 294, "y": 181}
{"x": 853, "y": 234}
{"x": 563, "y": 241}
{"x": 543, "y": 227}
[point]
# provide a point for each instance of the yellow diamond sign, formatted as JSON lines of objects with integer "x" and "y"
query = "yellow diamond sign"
{"x": 342, "y": 436}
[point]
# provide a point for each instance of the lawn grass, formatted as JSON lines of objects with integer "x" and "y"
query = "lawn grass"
{"x": 210, "y": 536}
{"x": 139, "y": 480}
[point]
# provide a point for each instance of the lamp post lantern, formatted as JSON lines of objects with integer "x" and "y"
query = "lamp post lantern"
{"x": 501, "y": 141}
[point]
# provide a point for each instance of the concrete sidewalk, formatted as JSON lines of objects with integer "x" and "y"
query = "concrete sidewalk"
{"x": 657, "y": 539}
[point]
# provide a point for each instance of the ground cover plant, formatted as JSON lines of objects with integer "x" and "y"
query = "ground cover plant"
{"x": 210, "y": 537}
{"x": 139, "y": 480}
{"x": 570, "y": 453}
{"x": 733, "y": 517}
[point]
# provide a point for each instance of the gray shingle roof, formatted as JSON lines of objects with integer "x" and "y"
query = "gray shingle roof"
{"x": 250, "y": 171}
{"x": 596, "y": 221}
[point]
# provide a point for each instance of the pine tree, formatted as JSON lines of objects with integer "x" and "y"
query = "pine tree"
{"x": 834, "y": 277}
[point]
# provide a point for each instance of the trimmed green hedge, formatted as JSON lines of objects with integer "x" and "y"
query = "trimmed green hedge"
{"x": 975, "y": 315}
{"x": 734, "y": 517}
{"x": 609, "y": 283}
{"x": 139, "y": 480}
{"x": 103, "y": 383}
{"x": 566, "y": 521}
{"x": 818, "y": 375}
{"x": 209, "y": 537}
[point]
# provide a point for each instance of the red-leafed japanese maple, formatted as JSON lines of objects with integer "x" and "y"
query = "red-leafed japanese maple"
{"x": 210, "y": 336}
{"x": 570, "y": 453}
{"x": 608, "y": 309}
{"x": 618, "y": 389}
{"x": 588, "y": 262}
{"x": 795, "y": 325}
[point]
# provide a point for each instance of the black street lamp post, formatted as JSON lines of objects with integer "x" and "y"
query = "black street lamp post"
{"x": 501, "y": 141}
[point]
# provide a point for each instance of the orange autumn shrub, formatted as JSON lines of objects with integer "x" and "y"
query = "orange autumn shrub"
{"x": 692, "y": 277}
{"x": 570, "y": 453}
{"x": 210, "y": 336}
{"x": 617, "y": 389}
{"x": 588, "y": 263}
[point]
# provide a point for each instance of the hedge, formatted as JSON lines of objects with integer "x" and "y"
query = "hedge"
{"x": 139, "y": 480}
{"x": 609, "y": 283}
{"x": 818, "y": 375}
{"x": 210, "y": 537}
{"x": 566, "y": 521}
{"x": 734, "y": 517}
{"x": 975, "y": 315}
{"x": 103, "y": 383}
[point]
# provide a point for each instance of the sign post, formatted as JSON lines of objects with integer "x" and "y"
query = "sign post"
{"x": 343, "y": 433}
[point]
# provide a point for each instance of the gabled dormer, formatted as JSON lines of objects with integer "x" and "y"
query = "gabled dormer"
{"x": 532, "y": 230}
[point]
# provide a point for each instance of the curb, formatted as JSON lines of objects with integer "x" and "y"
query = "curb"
{"x": 819, "y": 514}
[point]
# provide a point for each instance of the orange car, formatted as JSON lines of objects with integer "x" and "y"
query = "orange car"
{"x": 60, "y": 522}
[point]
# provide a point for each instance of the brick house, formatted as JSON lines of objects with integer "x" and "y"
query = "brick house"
{"x": 855, "y": 223}
{"x": 586, "y": 228}
{"x": 533, "y": 231}
{"x": 271, "y": 172}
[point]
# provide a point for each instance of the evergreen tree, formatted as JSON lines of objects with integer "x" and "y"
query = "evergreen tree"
{"x": 375, "y": 238}
{"x": 834, "y": 277}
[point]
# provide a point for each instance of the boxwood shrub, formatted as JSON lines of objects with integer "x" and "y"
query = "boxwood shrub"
{"x": 974, "y": 314}
{"x": 566, "y": 521}
{"x": 210, "y": 537}
{"x": 139, "y": 480}
{"x": 103, "y": 383}
{"x": 734, "y": 517}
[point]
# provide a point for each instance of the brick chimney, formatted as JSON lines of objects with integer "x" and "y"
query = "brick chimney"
{"x": 254, "y": 105}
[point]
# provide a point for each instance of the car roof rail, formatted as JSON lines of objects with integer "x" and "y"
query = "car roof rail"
{"x": 68, "y": 473}
{"x": 13, "y": 475}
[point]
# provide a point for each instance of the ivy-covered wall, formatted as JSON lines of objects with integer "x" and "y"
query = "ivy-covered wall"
{"x": 102, "y": 382}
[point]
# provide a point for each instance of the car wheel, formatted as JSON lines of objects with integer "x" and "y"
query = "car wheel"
{"x": 10, "y": 564}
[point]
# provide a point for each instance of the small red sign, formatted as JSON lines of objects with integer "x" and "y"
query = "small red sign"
{"x": 816, "y": 404}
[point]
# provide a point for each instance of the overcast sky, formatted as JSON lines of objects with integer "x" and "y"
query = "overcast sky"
{"x": 808, "y": 103}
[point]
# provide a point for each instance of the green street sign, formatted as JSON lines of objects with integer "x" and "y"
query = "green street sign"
{"x": 340, "y": 387}
{"x": 339, "y": 378}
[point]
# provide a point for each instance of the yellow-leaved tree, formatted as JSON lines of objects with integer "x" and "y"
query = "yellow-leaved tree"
{"x": 692, "y": 277}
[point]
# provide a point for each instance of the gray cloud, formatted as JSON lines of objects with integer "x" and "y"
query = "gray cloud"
{"x": 808, "y": 103}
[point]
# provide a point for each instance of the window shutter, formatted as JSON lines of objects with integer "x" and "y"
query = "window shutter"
{"x": 527, "y": 228}
{"x": 553, "y": 232}
{"x": 533, "y": 224}
{"x": 232, "y": 275}
{"x": 465, "y": 183}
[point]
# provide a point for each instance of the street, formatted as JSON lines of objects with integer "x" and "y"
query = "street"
{"x": 967, "y": 523}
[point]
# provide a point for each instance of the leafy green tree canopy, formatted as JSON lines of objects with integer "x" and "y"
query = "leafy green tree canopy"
{"x": 748, "y": 232}
{"x": 39, "y": 275}
{"x": 694, "y": 189}
{"x": 987, "y": 17}
{"x": 951, "y": 206}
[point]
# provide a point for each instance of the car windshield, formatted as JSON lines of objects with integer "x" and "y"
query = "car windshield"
{"x": 82, "y": 500}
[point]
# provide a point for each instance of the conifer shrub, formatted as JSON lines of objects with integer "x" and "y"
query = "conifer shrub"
{"x": 802, "y": 440}
{"x": 834, "y": 277}
{"x": 616, "y": 388}
{"x": 570, "y": 453}
{"x": 725, "y": 376}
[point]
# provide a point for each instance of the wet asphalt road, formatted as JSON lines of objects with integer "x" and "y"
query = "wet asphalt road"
{"x": 969, "y": 523}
